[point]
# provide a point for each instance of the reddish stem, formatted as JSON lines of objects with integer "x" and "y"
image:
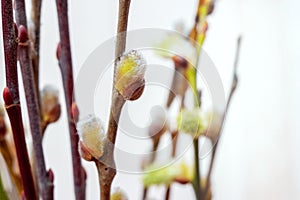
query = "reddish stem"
{"x": 36, "y": 6}
{"x": 14, "y": 114}
{"x": 44, "y": 183}
{"x": 220, "y": 128}
{"x": 10, "y": 49}
{"x": 65, "y": 63}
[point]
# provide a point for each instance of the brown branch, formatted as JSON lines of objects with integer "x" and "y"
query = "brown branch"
{"x": 10, "y": 49}
{"x": 36, "y": 19}
{"x": 14, "y": 114}
{"x": 122, "y": 28}
{"x": 44, "y": 182}
{"x": 107, "y": 169}
{"x": 220, "y": 129}
{"x": 11, "y": 97}
{"x": 65, "y": 63}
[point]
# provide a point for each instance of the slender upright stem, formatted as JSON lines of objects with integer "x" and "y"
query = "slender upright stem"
{"x": 124, "y": 6}
{"x": 36, "y": 6}
{"x": 11, "y": 97}
{"x": 44, "y": 183}
{"x": 219, "y": 132}
{"x": 65, "y": 63}
{"x": 196, "y": 181}
{"x": 168, "y": 191}
{"x": 14, "y": 114}
{"x": 10, "y": 49}
{"x": 106, "y": 166}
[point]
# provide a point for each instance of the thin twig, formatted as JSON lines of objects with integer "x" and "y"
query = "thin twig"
{"x": 107, "y": 169}
{"x": 196, "y": 181}
{"x": 11, "y": 97}
{"x": 220, "y": 129}
{"x": 14, "y": 114}
{"x": 45, "y": 186}
{"x": 44, "y": 182}
{"x": 168, "y": 190}
{"x": 36, "y": 6}
{"x": 10, "y": 49}
{"x": 65, "y": 63}
{"x": 124, "y": 6}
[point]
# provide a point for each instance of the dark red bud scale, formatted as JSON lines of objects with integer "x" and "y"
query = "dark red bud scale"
{"x": 23, "y": 35}
{"x": 74, "y": 112}
{"x": 58, "y": 51}
{"x": 50, "y": 175}
{"x": 180, "y": 62}
{"x": 8, "y": 99}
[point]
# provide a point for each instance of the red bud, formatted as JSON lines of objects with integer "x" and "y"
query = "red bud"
{"x": 50, "y": 175}
{"x": 74, "y": 112}
{"x": 58, "y": 51}
{"x": 8, "y": 99}
{"x": 23, "y": 35}
{"x": 180, "y": 62}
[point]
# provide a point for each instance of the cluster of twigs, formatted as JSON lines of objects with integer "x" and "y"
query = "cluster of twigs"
{"x": 22, "y": 45}
{"x": 201, "y": 184}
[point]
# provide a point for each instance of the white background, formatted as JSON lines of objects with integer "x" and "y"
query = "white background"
{"x": 258, "y": 157}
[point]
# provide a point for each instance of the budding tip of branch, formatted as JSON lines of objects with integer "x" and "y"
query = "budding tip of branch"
{"x": 23, "y": 35}
{"x": 58, "y": 51}
{"x": 50, "y": 175}
{"x": 74, "y": 112}
{"x": 180, "y": 62}
{"x": 8, "y": 99}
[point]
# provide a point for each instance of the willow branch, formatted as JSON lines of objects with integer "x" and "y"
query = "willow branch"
{"x": 65, "y": 63}
{"x": 10, "y": 49}
{"x": 11, "y": 97}
{"x": 36, "y": 6}
{"x": 14, "y": 114}
{"x": 107, "y": 169}
{"x": 220, "y": 129}
{"x": 44, "y": 182}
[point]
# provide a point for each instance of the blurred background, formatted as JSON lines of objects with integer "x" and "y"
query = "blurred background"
{"x": 258, "y": 156}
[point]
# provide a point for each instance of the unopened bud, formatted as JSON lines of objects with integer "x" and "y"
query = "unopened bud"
{"x": 58, "y": 51}
{"x": 74, "y": 112}
{"x": 50, "y": 104}
{"x": 23, "y": 35}
{"x": 129, "y": 80}
{"x": 50, "y": 175}
{"x": 92, "y": 137}
{"x": 180, "y": 62}
{"x": 8, "y": 99}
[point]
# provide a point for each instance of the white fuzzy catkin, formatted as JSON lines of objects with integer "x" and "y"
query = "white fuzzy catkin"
{"x": 92, "y": 135}
{"x": 130, "y": 69}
